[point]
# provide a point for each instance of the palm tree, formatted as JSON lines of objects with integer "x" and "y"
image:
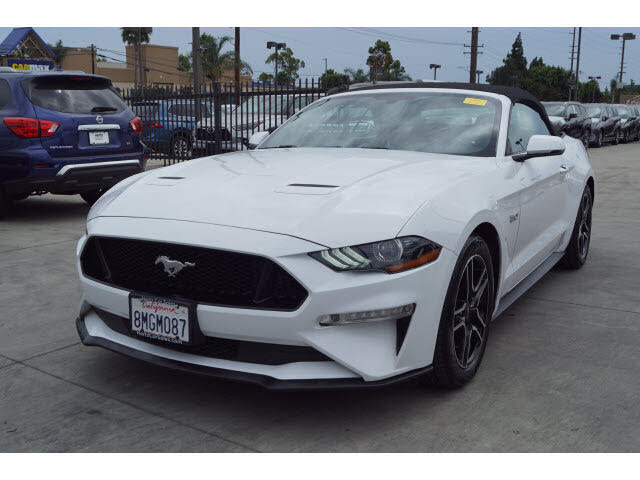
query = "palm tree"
{"x": 131, "y": 38}
{"x": 356, "y": 76}
{"x": 214, "y": 61}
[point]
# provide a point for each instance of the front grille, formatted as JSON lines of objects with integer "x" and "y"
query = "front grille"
{"x": 226, "y": 349}
{"x": 217, "y": 277}
{"x": 208, "y": 134}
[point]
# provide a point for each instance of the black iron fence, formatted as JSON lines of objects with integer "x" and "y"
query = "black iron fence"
{"x": 179, "y": 123}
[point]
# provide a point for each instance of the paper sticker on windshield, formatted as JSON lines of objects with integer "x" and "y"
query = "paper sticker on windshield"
{"x": 475, "y": 101}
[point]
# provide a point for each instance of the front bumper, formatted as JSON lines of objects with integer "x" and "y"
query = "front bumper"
{"x": 359, "y": 354}
{"x": 79, "y": 177}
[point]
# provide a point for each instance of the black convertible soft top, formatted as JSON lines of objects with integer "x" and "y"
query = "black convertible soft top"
{"x": 515, "y": 94}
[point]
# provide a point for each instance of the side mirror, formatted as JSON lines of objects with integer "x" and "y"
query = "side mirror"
{"x": 541, "y": 146}
{"x": 257, "y": 138}
{"x": 573, "y": 115}
{"x": 604, "y": 117}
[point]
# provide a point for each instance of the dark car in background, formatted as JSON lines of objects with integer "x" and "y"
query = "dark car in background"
{"x": 605, "y": 124}
{"x": 629, "y": 122}
{"x": 569, "y": 118}
{"x": 64, "y": 133}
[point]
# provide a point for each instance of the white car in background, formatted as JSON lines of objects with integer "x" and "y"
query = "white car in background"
{"x": 372, "y": 238}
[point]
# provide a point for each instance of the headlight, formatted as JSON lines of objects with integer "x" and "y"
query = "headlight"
{"x": 390, "y": 256}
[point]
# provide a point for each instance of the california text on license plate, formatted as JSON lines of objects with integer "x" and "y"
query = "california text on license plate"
{"x": 160, "y": 319}
{"x": 98, "y": 138}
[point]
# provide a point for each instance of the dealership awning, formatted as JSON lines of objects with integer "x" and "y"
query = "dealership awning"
{"x": 25, "y": 42}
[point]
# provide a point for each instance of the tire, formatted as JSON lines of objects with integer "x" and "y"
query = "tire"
{"x": 599, "y": 139}
{"x": 92, "y": 196}
{"x": 625, "y": 137}
{"x": 181, "y": 147}
{"x": 578, "y": 249}
{"x": 616, "y": 138}
{"x": 5, "y": 203}
{"x": 22, "y": 196}
{"x": 586, "y": 134}
{"x": 462, "y": 334}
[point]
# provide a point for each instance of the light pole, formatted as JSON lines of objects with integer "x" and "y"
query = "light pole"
{"x": 435, "y": 68}
{"x": 479, "y": 72}
{"x": 625, "y": 37}
{"x": 277, "y": 46}
{"x": 593, "y": 90}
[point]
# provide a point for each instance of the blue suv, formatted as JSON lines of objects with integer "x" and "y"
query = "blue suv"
{"x": 64, "y": 133}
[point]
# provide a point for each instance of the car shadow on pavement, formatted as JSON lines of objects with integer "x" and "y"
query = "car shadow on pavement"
{"x": 48, "y": 208}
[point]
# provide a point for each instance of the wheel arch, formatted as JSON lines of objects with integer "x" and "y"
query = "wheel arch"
{"x": 490, "y": 235}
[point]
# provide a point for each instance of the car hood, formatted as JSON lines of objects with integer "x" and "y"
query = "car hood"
{"x": 330, "y": 196}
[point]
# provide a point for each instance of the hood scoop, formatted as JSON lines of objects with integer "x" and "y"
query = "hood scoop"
{"x": 308, "y": 189}
{"x": 164, "y": 181}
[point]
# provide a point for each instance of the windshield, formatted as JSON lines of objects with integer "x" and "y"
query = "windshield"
{"x": 267, "y": 104}
{"x": 431, "y": 122}
{"x": 622, "y": 111}
{"x": 594, "y": 112}
{"x": 554, "y": 109}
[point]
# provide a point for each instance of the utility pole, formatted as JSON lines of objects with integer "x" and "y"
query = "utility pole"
{"x": 573, "y": 50}
{"x": 326, "y": 69}
{"x": 578, "y": 61}
{"x": 237, "y": 65}
{"x": 474, "y": 55}
{"x": 195, "y": 45}
{"x": 435, "y": 68}
{"x": 93, "y": 59}
{"x": 140, "y": 56}
{"x": 479, "y": 72}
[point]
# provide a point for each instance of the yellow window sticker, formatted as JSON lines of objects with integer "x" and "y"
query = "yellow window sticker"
{"x": 475, "y": 101}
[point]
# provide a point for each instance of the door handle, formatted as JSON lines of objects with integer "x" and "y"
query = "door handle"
{"x": 564, "y": 167}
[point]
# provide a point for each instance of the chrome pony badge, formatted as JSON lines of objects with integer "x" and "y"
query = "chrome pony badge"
{"x": 99, "y": 119}
{"x": 172, "y": 267}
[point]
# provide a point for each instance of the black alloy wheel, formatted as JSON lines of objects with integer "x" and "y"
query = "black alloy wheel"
{"x": 466, "y": 316}
{"x": 578, "y": 249}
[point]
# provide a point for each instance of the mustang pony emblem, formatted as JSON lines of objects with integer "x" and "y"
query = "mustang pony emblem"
{"x": 172, "y": 267}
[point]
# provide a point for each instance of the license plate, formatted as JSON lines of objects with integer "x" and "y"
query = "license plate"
{"x": 160, "y": 319}
{"x": 98, "y": 138}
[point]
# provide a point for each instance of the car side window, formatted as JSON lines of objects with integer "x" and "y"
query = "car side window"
{"x": 5, "y": 93}
{"x": 571, "y": 109}
{"x": 523, "y": 124}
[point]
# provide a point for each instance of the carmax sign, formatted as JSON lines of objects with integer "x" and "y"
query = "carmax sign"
{"x": 22, "y": 64}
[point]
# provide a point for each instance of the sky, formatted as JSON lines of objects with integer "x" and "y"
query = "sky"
{"x": 416, "y": 48}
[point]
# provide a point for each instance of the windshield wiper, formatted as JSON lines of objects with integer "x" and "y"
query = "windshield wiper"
{"x": 103, "y": 109}
{"x": 376, "y": 148}
{"x": 279, "y": 146}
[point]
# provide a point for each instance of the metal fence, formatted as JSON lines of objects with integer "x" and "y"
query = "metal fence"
{"x": 179, "y": 123}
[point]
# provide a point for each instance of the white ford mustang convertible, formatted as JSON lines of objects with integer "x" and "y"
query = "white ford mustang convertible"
{"x": 370, "y": 239}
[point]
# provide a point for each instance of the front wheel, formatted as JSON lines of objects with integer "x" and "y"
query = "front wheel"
{"x": 576, "y": 254}
{"x": 5, "y": 203}
{"x": 586, "y": 135}
{"x": 92, "y": 196}
{"x": 181, "y": 148}
{"x": 466, "y": 315}
{"x": 616, "y": 137}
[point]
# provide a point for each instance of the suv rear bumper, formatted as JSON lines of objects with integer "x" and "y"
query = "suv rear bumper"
{"x": 78, "y": 177}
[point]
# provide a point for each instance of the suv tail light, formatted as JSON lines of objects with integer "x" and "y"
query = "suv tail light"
{"x": 31, "y": 127}
{"x": 136, "y": 125}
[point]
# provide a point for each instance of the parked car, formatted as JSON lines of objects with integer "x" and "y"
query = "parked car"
{"x": 629, "y": 123}
{"x": 569, "y": 118}
{"x": 338, "y": 256}
{"x": 605, "y": 124}
{"x": 64, "y": 133}
{"x": 258, "y": 113}
{"x": 168, "y": 124}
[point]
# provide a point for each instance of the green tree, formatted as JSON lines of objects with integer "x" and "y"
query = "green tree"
{"x": 513, "y": 70}
{"x": 215, "y": 61}
{"x": 589, "y": 92}
{"x": 59, "y": 51}
{"x": 356, "y": 76}
{"x": 288, "y": 65}
{"x": 132, "y": 38}
{"x": 184, "y": 63}
{"x": 266, "y": 77}
{"x": 332, "y": 79}
{"x": 547, "y": 82}
{"x": 387, "y": 68}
